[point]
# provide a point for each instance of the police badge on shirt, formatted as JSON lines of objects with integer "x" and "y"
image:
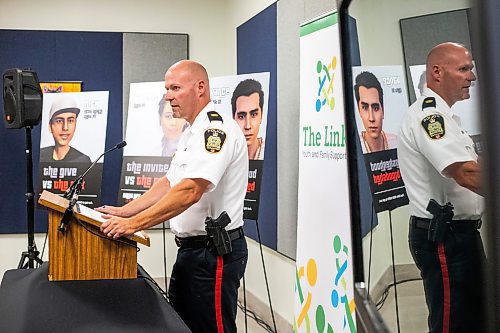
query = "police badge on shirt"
{"x": 214, "y": 140}
{"x": 434, "y": 126}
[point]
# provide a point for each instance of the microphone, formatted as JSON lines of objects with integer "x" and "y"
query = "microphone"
{"x": 74, "y": 190}
{"x": 68, "y": 192}
{"x": 68, "y": 214}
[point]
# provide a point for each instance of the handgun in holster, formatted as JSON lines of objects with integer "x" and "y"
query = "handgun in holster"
{"x": 442, "y": 215}
{"x": 217, "y": 235}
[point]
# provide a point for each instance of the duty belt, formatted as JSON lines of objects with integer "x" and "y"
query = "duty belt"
{"x": 196, "y": 242}
{"x": 457, "y": 225}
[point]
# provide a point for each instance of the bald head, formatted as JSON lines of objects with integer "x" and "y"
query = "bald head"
{"x": 449, "y": 71}
{"x": 443, "y": 54}
{"x": 188, "y": 89}
{"x": 194, "y": 70}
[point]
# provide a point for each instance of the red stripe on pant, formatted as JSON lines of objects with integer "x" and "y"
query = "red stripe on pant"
{"x": 218, "y": 294}
{"x": 446, "y": 288}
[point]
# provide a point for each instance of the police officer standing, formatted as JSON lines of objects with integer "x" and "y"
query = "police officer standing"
{"x": 443, "y": 180}
{"x": 207, "y": 176}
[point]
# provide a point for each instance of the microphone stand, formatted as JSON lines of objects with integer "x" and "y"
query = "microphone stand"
{"x": 74, "y": 190}
{"x": 32, "y": 253}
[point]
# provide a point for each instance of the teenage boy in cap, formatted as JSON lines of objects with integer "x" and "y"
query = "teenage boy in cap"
{"x": 62, "y": 125}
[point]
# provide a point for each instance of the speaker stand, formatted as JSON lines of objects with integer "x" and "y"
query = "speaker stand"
{"x": 32, "y": 254}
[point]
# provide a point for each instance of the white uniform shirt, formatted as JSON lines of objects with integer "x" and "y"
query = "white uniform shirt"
{"x": 226, "y": 170}
{"x": 423, "y": 159}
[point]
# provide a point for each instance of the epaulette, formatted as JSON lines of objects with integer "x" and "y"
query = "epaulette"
{"x": 214, "y": 116}
{"x": 429, "y": 102}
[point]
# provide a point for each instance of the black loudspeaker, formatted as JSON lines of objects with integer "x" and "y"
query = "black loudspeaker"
{"x": 22, "y": 98}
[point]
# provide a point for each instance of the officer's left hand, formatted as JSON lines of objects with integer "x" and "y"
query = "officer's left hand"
{"x": 116, "y": 227}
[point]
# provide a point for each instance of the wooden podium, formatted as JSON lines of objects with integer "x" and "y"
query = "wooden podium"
{"x": 79, "y": 253}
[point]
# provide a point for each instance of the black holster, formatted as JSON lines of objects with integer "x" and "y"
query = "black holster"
{"x": 217, "y": 235}
{"x": 441, "y": 220}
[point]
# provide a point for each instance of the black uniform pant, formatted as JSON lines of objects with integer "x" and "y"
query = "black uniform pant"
{"x": 204, "y": 287}
{"x": 452, "y": 274}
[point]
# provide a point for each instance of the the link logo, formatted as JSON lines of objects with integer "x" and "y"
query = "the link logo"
{"x": 326, "y": 76}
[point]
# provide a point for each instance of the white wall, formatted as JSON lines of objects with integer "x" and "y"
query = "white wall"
{"x": 378, "y": 25}
{"x": 11, "y": 247}
{"x": 381, "y": 247}
{"x": 208, "y": 33}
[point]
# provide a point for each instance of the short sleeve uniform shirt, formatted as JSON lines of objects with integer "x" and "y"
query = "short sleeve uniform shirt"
{"x": 216, "y": 151}
{"x": 431, "y": 139}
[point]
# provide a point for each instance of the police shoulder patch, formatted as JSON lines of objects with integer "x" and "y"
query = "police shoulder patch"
{"x": 434, "y": 126}
{"x": 214, "y": 140}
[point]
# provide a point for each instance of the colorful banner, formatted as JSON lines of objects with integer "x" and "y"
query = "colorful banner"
{"x": 381, "y": 100}
{"x": 73, "y": 134}
{"x": 324, "y": 289}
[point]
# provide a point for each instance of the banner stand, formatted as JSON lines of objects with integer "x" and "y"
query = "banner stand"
{"x": 394, "y": 272}
{"x": 265, "y": 279}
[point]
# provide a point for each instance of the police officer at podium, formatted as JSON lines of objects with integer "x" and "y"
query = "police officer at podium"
{"x": 207, "y": 176}
{"x": 442, "y": 175}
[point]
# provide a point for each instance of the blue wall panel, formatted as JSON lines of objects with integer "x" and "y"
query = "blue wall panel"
{"x": 256, "y": 52}
{"x": 92, "y": 57}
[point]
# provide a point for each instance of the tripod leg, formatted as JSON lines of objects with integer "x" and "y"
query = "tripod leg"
{"x": 34, "y": 256}
{"x": 22, "y": 264}
{"x": 31, "y": 256}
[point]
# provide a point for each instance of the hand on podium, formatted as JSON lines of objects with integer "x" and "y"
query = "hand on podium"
{"x": 116, "y": 224}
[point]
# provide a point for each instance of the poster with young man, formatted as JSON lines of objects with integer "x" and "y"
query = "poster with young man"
{"x": 245, "y": 99}
{"x": 380, "y": 100}
{"x": 73, "y": 134}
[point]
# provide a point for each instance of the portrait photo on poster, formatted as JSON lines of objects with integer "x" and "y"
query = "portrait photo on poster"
{"x": 73, "y": 126}
{"x": 152, "y": 135}
{"x": 151, "y": 128}
{"x": 245, "y": 99}
{"x": 380, "y": 99}
{"x": 73, "y": 134}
